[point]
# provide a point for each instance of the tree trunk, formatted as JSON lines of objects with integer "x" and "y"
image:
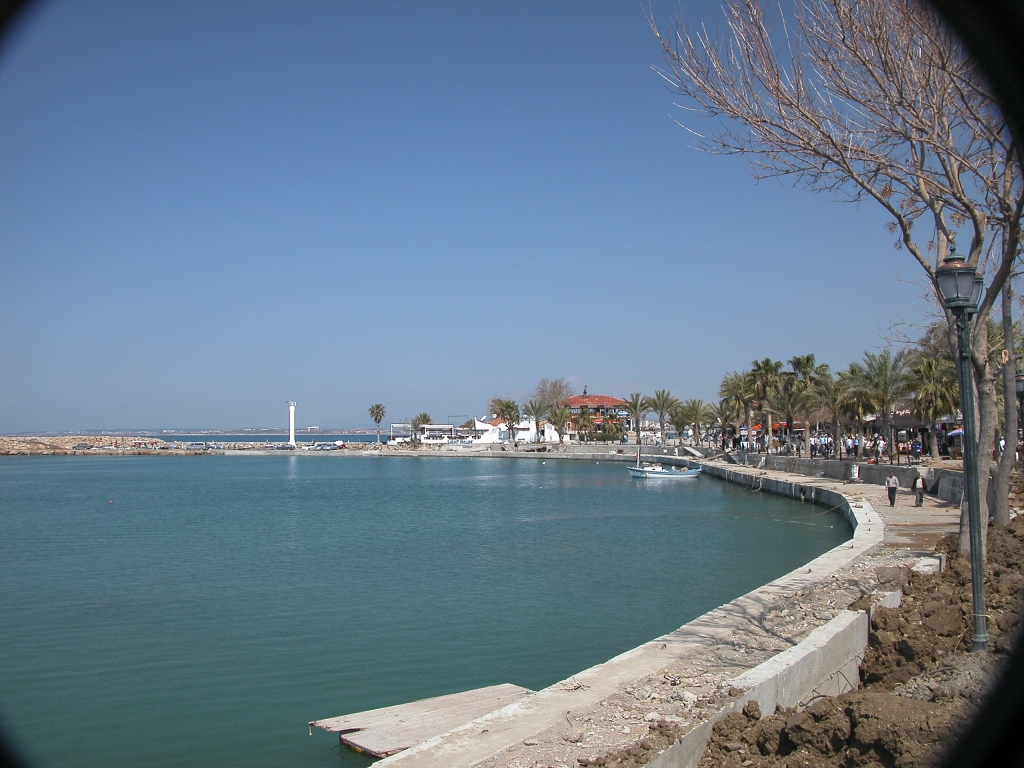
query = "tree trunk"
{"x": 1001, "y": 492}
{"x": 933, "y": 430}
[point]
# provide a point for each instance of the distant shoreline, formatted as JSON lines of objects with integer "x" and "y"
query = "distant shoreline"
{"x": 116, "y": 445}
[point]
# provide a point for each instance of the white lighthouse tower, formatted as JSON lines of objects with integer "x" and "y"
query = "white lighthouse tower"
{"x": 291, "y": 423}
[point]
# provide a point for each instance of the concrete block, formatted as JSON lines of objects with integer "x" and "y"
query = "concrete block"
{"x": 951, "y": 487}
{"x": 825, "y": 664}
{"x": 928, "y": 565}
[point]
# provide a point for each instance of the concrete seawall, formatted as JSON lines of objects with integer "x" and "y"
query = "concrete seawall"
{"x": 825, "y": 660}
{"x": 947, "y": 484}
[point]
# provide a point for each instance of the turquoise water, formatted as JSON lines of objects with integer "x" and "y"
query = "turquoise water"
{"x": 183, "y": 611}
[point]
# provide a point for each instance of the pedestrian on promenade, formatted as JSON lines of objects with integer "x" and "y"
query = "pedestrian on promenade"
{"x": 891, "y": 484}
{"x": 917, "y": 486}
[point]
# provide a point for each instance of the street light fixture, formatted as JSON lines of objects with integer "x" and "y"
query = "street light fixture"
{"x": 961, "y": 288}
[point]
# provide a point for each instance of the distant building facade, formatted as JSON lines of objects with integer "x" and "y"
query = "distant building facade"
{"x": 601, "y": 408}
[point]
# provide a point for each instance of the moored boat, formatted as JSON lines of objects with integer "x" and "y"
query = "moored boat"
{"x": 649, "y": 471}
{"x": 646, "y": 470}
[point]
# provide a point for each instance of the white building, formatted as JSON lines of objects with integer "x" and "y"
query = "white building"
{"x": 496, "y": 431}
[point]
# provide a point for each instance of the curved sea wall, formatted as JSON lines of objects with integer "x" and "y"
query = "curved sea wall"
{"x": 824, "y": 662}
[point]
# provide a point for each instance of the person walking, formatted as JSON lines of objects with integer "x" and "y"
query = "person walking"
{"x": 892, "y": 483}
{"x": 917, "y": 486}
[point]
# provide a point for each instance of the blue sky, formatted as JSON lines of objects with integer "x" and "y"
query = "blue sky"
{"x": 209, "y": 208}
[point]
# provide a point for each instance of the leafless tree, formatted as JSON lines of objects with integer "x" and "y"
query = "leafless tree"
{"x": 869, "y": 101}
{"x": 552, "y": 392}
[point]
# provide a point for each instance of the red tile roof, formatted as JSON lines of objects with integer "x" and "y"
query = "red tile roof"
{"x": 594, "y": 401}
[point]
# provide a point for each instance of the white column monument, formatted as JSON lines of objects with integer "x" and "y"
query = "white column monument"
{"x": 291, "y": 423}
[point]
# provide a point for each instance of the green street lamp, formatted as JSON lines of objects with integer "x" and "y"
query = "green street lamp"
{"x": 961, "y": 288}
{"x": 1019, "y": 381}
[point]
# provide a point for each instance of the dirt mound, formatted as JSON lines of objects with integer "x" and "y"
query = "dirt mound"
{"x": 862, "y": 729}
{"x": 934, "y": 619}
{"x": 918, "y": 651}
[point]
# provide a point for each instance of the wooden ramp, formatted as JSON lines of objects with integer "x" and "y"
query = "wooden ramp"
{"x": 383, "y": 732}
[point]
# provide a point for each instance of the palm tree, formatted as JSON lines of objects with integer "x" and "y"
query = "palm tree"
{"x": 584, "y": 422}
{"x": 763, "y": 374}
{"x": 827, "y": 395}
{"x": 695, "y": 412}
{"x": 536, "y": 410}
{"x": 856, "y": 399}
{"x": 508, "y": 411}
{"x": 725, "y": 413}
{"x": 637, "y": 406}
{"x": 936, "y": 392}
{"x": 661, "y": 403}
{"x": 886, "y": 381}
{"x": 787, "y": 397}
{"x": 739, "y": 388}
{"x": 679, "y": 417}
{"x": 418, "y": 421}
{"x": 805, "y": 369}
{"x": 807, "y": 372}
{"x": 377, "y": 413}
{"x": 611, "y": 427}
{"x": 559, "y": 417}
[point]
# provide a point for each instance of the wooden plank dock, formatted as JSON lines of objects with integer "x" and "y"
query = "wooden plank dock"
{"x": 385, "y": 731}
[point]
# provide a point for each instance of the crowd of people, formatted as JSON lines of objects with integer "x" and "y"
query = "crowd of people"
{"x": 821, "y": 445}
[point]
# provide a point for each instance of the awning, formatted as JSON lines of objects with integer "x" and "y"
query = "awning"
{"x": 908, "y": 421}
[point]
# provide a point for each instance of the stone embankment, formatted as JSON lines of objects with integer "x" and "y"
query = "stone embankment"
{"x": 46, "y": 445}
{"x": 94, "y": 445}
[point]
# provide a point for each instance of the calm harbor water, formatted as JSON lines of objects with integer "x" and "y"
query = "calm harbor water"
{"x": 300, "y": 437}
{"x": 183, "y": 611}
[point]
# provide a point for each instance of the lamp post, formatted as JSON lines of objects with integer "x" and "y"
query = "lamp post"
{"x": 961, "y": 290}
{"x": 1019, "y": 381}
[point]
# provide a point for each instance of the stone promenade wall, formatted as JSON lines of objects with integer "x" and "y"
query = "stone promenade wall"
{"x": 945, "y": 483}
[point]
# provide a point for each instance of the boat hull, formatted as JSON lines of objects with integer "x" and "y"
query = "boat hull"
{"x": 659, "y": 474}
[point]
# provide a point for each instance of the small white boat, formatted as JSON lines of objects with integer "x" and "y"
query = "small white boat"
{"x": 649, "y": 470}
{"x": 657, "y": 471}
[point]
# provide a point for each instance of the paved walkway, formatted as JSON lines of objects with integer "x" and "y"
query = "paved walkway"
{"x": 906, "y": 526}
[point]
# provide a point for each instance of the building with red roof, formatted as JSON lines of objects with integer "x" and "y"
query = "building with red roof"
{"x": 596, "y": 403}
{"x": 601, "y": 407}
